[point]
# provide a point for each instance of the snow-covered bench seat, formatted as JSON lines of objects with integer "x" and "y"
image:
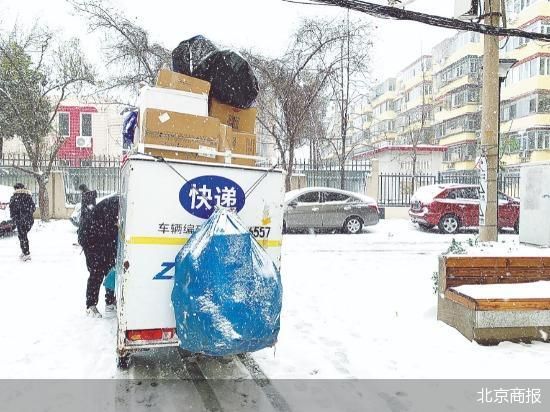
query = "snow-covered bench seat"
{"x": 495, "y": 299}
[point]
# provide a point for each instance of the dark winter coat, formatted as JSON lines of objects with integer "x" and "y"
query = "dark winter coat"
{"x": 98, "y": 234}
{"x": 86, "y": 206}
{"x": 22, "y": 208}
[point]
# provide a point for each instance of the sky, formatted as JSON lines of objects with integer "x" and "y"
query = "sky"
{"x": 263, "y": 25}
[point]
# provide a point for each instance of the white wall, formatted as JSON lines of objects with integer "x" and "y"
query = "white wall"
{"x": 401, "y": 162}
{"x": 107, "y": 130}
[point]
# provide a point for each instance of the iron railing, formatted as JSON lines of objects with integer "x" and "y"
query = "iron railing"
{"x": 396, "y": 190}
{"x": 328, "y": 174}
{"x": 100, "y": 173}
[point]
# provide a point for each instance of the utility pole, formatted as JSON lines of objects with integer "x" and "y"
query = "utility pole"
{"x": 490, "y": 117}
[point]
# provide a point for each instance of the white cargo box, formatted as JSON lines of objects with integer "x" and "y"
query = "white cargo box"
{"x": 173, "y": 101}
{"x": 162, "y": 204}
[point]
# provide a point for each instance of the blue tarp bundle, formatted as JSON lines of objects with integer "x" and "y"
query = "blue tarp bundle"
{"x": 227, "y": 292}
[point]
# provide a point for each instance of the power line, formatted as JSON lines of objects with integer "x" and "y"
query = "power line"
{"x": 379, "y": 10}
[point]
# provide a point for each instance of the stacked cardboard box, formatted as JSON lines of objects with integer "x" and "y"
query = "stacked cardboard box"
{"x": 177, "y": 123}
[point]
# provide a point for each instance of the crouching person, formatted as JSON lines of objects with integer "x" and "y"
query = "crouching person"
{"x": 98, "y": 236}
{"x": 22, "y": 208}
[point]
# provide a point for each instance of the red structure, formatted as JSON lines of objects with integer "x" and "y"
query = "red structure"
{"x": 70, "y": 149}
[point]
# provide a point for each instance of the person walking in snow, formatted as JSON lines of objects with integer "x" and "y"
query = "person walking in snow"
{"x": 22, "y": 208}
{"x": 98, "y": 236}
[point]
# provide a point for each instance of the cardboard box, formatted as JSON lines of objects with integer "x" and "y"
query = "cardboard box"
{"x": 172, "y": 101}
{"x": 179, "y": 130}
{"x": 238, "y": 143}
{"x": 226, "y": 135}
{"x": 243, "y": 143}
{"x": 242, "y": 120}
{"x": 172, "y": 80}
{"x": 175, "y": 155}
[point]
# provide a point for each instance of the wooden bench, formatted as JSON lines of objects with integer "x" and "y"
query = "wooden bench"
{"x": 498, "y": 318}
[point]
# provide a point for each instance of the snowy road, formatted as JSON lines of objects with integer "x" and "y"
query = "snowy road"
{"x": 354, "y": 307}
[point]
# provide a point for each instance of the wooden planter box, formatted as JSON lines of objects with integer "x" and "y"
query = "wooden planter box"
{"x": 493, "y": 320}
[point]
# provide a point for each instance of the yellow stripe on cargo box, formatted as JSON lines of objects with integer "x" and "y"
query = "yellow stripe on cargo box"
{"x": 167, "y": 241}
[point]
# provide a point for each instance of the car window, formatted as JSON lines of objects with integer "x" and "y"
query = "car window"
{"x": 311, "y": 197}
{"x": 502, "y": 196}
{"x": 453, "y": 194}
{"x": 334, "y": 197}
{"x": 470, "y": 193}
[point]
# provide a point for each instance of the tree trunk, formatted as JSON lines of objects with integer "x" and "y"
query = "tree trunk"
{"x": 343, "y": 174}
{"x": 413, "y": 171}
{"x": 43, "y": 199}
{"x": 1, "y": 147}
{"x": 290, "y": 168}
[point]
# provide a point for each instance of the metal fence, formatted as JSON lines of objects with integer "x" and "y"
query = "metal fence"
{"x": 100, "y": 173}
{"x": 328, "y": 174}
{"x": 396, "y": 190}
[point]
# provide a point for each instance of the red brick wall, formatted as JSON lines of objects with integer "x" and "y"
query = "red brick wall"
{"x": 69, "y": 149}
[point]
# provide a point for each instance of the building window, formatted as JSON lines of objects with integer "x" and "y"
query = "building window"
{"x": 512, "y": 111}
{"x": 86, "y": 124}
{"x": 63, "y": 119}
{"x": 532, "y": 105}
{"x": 531, "y": 139}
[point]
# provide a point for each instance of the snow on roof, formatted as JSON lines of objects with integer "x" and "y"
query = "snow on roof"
{"x": 421, "y": 148}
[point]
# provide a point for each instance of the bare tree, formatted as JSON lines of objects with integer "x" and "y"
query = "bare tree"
{"x": 38, "y": 73}
{"x": 290, "y": 86}
{"x": 416, "y": 121}
{"x": 131, "y": 56}
{"x": 347, "y": 60}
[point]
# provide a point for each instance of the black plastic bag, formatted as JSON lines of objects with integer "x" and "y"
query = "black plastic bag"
{"x": 231, "y": 77}
{"x": 189, "y": 53}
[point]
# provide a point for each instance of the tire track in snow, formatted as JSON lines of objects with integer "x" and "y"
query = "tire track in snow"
{"x": 275, "y": 398}
{"x": 206, "y": 392}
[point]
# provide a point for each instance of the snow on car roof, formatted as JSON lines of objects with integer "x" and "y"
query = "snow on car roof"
{"x": 426, "y": 194}
{"x": 297, "y": 192}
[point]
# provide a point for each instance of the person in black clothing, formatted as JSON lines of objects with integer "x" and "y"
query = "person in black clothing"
{"x": 98, "y": 236}
{"x": 22, "y": 208}
{"x": 87, "y": 204}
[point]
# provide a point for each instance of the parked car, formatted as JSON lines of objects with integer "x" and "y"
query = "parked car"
{"x": 327, "y": 208}
{"x": 454, "y": 206}
{"x": 6, "y": 224}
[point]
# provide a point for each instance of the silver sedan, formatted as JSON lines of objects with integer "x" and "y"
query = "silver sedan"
{"x": 327, "y": 208}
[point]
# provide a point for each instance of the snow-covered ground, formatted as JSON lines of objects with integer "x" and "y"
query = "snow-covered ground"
{"x": 354, "y": 307}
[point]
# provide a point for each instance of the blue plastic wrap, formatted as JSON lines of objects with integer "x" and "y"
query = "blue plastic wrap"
{"x": 128, "y": 128}
{"x": 227, "y": 292}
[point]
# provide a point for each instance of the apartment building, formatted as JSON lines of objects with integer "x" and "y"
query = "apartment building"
{"x": 525, "y": 95}
{"x": 457, "y": 96}
{"x": 414, "y": 103}
{"x": 451, "y": 94}
{"x": 382, "y": 128}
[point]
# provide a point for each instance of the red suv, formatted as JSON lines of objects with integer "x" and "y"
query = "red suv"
{"x": 451, "y": 207}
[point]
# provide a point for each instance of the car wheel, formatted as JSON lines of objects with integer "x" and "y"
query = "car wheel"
{"x": 284, "y": 227}
{"x": 516, "y": 228}
{"x": 449, "y": 224}
{"x": 353, "y": 225}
